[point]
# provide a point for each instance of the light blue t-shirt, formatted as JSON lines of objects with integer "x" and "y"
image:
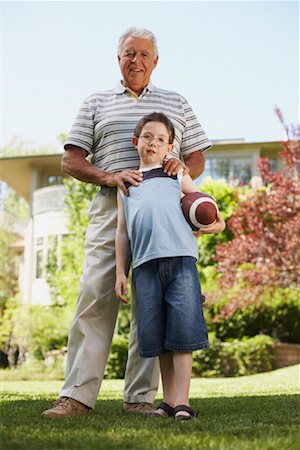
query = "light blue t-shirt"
{"x": 155, "y": 222}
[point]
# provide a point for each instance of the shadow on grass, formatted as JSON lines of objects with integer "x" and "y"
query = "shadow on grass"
{"x": 245, "y": 422}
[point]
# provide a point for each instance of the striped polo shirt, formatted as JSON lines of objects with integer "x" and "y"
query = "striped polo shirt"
{"x": 106, "y": 121}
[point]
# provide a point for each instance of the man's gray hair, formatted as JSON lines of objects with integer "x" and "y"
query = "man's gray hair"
{"x": 138, "y": 32}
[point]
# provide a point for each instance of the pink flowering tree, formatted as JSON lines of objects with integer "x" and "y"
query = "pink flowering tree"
{"x": 264, "y": 253}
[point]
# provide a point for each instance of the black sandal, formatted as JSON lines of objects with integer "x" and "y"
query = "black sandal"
{"x": 185, "y": 408}
{"x": 165, "y": 407}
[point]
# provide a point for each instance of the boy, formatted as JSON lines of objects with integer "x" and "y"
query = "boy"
{"x": 164, "y": 253}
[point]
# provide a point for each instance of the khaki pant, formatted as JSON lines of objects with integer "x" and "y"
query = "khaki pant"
{"x": 95, "y": 317}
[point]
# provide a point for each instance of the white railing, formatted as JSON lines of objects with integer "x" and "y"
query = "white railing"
{"x": 48, "y": 199}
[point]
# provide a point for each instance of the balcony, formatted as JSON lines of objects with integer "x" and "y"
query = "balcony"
{"x": 49, "y": 199}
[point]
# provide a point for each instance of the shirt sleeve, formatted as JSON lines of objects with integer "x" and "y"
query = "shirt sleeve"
{"x": 82, "y": 131}
{"x": 193, "y": 137}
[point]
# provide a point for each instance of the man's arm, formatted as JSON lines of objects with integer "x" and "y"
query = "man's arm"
{"x": 74, "y": 163}
{"x": 195, "y": 162}
{"x": 193, "y": 165}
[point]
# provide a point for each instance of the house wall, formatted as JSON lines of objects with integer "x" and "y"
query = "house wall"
{"x": 48, "y": 220}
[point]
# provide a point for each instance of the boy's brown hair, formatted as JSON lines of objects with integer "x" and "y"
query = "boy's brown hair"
{"x": 156, "y": 117}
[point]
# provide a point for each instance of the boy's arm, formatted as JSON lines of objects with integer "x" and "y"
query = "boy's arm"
{"x": 188, "y": 186}
{"x": 122, "y": 252}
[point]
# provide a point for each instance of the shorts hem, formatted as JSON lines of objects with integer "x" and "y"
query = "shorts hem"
{"x": 175, "y": 348}
{"x": 186, "y": 348}
{"x": 153, "y": 353}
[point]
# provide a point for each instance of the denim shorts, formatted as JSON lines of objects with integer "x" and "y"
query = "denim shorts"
{"x": 169, "y": 306}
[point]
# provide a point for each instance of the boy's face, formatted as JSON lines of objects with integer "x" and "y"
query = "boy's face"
{"x": 152, "y": 144}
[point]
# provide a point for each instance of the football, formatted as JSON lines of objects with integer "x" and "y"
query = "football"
{"x": 199, "y": 209}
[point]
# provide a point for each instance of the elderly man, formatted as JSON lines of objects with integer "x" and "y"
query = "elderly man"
{"x": 103, "y": 129}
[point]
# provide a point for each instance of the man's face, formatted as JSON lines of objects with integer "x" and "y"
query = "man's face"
{"x": 137, "y": 60}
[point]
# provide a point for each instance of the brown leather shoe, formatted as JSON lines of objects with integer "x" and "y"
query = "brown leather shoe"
{"x": 140, "y": 408}
{"x": 66, "y": 407}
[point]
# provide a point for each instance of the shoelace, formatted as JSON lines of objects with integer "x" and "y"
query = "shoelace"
{"x": 58, "y": 401}
{"x": 63, "y": 402}
{"x": 141, "y": 405}
{"x": 68, "y": 402}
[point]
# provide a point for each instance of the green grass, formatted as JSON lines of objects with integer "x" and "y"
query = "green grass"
{"x": 255, "y": 412}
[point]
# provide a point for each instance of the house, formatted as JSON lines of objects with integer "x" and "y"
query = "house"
{"x": 39, "y": 178}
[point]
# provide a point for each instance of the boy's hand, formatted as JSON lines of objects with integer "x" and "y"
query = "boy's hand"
{"x": 121, "y": 288}
{"x": 173, "y": 165}
{"x": 217, "y": 227}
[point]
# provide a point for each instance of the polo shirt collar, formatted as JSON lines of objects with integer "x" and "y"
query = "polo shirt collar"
{"x": 120, "y": 89}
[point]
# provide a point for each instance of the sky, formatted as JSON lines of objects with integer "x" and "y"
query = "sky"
{"x": 233, "y": 61}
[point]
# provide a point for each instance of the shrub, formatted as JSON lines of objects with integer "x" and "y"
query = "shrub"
{"x": 51, "y": 368}
{"x": 275, "y": 313}
{"x": 116, "y": 364}
{"x": 226, "y": 198}
{"x": 231, "y": 359}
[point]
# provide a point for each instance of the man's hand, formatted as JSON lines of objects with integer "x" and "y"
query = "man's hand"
{"x": 118, "y": 179}
{"x": 173, "y": 165}
{"x": 217, "y": 227}
{"x": 121, "y": 288}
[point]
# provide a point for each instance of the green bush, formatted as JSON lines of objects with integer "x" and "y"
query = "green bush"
{"x": 31, "y": 331}
{"x": 116, "y": 364}
{"x": 276, "y": 313}
{"x": 222, "y": 359}
{"x": 51, "y": 368}
{"x": 226, "y": 198}
{"x": 231, "y": 359}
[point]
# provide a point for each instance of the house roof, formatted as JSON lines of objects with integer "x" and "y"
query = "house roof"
{"x": 16, "y": 171}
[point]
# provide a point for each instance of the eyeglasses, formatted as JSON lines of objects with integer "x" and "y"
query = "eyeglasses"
{"x": 148, "y": 138}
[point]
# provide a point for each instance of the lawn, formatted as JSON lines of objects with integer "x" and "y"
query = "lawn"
{"x": 255, "y": 412}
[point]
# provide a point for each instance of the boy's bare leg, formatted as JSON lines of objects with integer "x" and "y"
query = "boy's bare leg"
{"x": 182, "y": 366}
{"x": 168, "y": 380}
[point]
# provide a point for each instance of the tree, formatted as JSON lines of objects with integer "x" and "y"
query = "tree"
{"x": 64, "y": 280}
{"x": 14, "y": 211}
{"x": 265, "y": 253}
{"x": 8, "y": 269}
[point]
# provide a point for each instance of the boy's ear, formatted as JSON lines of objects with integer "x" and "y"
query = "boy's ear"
{"x": 170, "y": 148}
{"x": 134, "y": 140}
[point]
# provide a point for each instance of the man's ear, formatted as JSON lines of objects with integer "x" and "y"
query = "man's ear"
{"x": 134, "y": 140}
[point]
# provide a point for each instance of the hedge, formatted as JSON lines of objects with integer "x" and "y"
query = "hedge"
{"x": 277, "y": 314}
{"x": 223, "y": 359}
{"x": 235, "y": 358}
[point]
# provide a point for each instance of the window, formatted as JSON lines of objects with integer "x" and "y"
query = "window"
{"x": 274, "y": 163}
{"x": 241, "y": 170}
{"x": 48, "y": 254}
{"x": 54, "y": 180}
{"x": 229, "y": 169}
{"x": 220, "y": 168}
{"x": 39, "y": 265}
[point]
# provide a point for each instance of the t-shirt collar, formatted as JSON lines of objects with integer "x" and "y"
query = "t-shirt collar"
{"x": 147, "y": 169}
{"x": 120, "y": 89}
